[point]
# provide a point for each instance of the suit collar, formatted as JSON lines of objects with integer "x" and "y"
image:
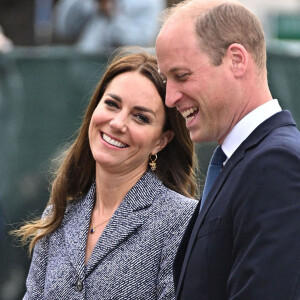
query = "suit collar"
{"x": 129, "y": 216}
{"x": 283, "y": 118}
{"x": 280, "y": 119}
{"x": 247, "y": 125}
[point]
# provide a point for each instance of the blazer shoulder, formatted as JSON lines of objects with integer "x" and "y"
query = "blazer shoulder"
{"x": 173, "y": 198}
{"x": 175, "y": 206}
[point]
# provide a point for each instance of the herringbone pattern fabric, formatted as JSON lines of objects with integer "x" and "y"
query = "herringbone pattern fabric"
{"x": 133, "y": 258}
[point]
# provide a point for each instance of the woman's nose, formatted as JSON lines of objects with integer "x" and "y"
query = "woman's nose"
{"x": 119, "y": 123}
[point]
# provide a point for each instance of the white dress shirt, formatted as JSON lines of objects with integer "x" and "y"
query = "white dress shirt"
{"x": 247, "y": 125}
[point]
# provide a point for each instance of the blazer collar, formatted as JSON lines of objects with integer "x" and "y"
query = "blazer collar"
{"x": 128, "y": 217}
{"x": 283, "y": 118}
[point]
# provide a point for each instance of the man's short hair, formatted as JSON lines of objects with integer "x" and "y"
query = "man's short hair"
{"x": 218, "y": 24}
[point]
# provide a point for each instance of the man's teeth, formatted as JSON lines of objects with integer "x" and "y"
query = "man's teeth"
{"x": 189, "y": 118}
{"x": 110, "y": 141}
{"x": 187, "y": 114}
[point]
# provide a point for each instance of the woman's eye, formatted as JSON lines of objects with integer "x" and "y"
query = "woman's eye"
{"x": 111, "y": 103}
{"x": 142, "y": 118}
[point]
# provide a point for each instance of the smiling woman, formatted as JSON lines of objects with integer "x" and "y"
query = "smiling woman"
{"x": 113, "y": 224}
{"x": 127, "y": 125}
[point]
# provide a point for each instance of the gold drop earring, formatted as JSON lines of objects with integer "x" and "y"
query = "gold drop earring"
{"x": 152, "y": 163}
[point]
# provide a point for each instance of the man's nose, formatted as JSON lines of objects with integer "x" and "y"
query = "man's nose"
{"x": 173, "y": 95}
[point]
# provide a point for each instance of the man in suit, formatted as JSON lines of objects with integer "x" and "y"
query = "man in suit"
{"x": 244, "y": 242}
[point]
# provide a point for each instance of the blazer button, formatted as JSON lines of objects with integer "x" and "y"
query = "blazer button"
{"x": 79, "y": 285}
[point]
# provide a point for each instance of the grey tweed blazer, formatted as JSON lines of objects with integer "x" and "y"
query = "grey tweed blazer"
{"x": 132, "y": 259}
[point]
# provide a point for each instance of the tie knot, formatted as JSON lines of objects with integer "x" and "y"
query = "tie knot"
{"x": 218, "y": 157}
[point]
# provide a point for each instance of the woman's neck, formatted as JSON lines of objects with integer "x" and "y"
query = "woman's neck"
{"x": 112, "y": 188}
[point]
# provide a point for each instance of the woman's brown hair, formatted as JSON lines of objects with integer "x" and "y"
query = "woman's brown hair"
{"x": 75, "y": 175}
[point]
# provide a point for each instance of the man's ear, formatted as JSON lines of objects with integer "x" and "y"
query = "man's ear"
{"x": 239, "y": 59}
{"x": 165, "y": 138}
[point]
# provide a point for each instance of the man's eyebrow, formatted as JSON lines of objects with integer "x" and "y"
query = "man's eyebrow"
{"x": 145, "y": 109}
{"x": 173, "y": 70}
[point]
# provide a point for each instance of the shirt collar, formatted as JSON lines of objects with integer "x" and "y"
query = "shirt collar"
{"x": 248, "y": 124}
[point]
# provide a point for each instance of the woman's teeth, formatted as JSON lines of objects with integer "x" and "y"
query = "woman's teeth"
{"x": 113, "y": 142}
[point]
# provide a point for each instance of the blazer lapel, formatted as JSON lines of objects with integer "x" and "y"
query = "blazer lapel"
{"x": 76, "y": 226}
{"x": 182, "y": 249}
{"x": 130, "y": 215}
{"x": 283, "y": 118}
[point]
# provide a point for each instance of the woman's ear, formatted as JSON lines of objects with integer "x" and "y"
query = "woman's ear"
{"x": 239, "y": 59}
{"x": 165, "y": 138}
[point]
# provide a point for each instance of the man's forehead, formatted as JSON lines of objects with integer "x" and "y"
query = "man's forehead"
{"x": 181, "y": 58}
{"x": 175, "y": 23}
{"x": 176, "y": 44}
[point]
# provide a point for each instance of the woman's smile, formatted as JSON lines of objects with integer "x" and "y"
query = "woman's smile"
{"x": 112, "y": 141}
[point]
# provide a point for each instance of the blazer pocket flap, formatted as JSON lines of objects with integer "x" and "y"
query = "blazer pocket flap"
{"x": 210, "y": 227}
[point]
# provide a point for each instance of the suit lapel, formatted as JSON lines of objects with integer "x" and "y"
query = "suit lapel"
{"x": 283, "y": 118}
{"x": 208, "y": 202}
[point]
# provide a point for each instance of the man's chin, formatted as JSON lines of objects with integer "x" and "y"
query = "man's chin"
{"x": 199, "y": 137}
{"x": 196, "y": 136}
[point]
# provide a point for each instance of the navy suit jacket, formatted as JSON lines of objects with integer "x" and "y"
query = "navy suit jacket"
{"x": 245, "y": 243}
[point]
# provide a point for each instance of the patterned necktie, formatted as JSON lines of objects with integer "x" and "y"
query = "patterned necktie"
{"x": 214, "y": 168}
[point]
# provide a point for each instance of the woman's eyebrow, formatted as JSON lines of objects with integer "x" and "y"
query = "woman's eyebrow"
{"x": 139, "y": 108}
{"x": 116, "y": 97}
{"x": 145, "y": 109}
